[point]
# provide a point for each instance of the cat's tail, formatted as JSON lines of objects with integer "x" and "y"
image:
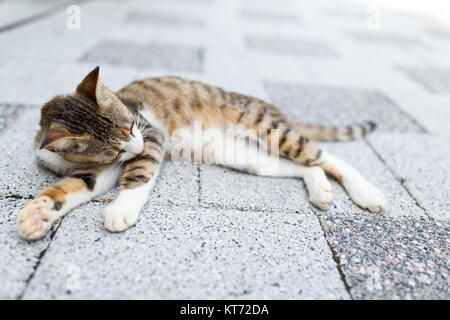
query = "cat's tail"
{"x": 344, "y": 133}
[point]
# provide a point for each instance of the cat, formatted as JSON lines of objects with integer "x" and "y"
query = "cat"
{"x": 94, "y": 138}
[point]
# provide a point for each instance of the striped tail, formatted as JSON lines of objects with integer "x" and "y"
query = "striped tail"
{"x": 344, "y": 133}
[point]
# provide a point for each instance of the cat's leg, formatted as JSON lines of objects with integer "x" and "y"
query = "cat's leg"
{"x": 245, "y": 154}
{"x": 362, "y": 192}
{"x": 137, "y": 179}
{"x": 35, "y": 218}
{"x": 291, "y": 144}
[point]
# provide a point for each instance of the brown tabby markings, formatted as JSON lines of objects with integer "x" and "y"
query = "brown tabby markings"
{"x": 86, "y": 128}
{"x": 178, "y": 102}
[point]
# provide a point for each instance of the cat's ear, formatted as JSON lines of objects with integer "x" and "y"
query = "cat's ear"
{"x": 59, "y": 139}
{"x": 88, "y": 86}
{"x": 93, "y": 88}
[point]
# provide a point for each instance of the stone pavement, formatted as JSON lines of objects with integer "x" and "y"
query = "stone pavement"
{"x": 210, "y": 232}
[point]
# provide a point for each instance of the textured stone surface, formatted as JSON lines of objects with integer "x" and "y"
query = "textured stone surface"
{"x": 385, "y": 38}
{"x": 268, "y": 16}
{"x": 44, "y": 80}
{"x": 391, "y": 259}
{"x": 422, "y": 163}
{"x": 337, "y": 106}
{"x": 443, "y": 34}
{"x": 257, "y": 237}
{"x": 18, "y": 257}
{"x": 433, "y": 80}
{"x": 226, "y": 188}
{"x": 362, "y": 158}
{"x": 12, "y": 13}
{"x": 21, "y": 174}
{"x": 145, "y": 56}
{"x": 279, "y": 45}
{"x": 196, "y": 253}
{"x": 7, "y": 115}
{"x": 164, "y": 19}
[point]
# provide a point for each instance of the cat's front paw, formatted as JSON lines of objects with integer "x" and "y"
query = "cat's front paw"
{"x": 319, "y": 188}
{"x": 35, "y": 219}
{"x": 117, "y": 218}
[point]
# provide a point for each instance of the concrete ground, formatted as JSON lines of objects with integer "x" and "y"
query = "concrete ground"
{"x": 209, "y": 232}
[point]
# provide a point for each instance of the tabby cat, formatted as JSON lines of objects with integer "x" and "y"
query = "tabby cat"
{"x": 95, "y": 137}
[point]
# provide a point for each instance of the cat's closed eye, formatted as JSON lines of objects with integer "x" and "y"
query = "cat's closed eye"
{"x": 131, "y": 129}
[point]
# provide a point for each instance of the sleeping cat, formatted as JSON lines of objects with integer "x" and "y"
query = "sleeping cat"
{"x": 95, "y": 137}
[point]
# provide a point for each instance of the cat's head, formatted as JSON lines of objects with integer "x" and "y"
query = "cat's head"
{"x": 90, "y": 126}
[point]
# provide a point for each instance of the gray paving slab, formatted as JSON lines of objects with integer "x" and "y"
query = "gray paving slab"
{"x": 18, "y": 257}
{"x": 251, "y": 14}
{"x": 177, "y": 184}
{"x": 434, "y": 80}
{"x": 13, "y": 13}
{"x": 177, "y": 253}
{"x": 422, "y": 163}
{"x": 211, "y": 232}
{"x": 384, "y": 38}
{"x": 46, "y": 79}
{"x": 391, "y": 259}
{"x": 281, "y": 45}
{"x": 441, "y": 34}
{"x": 22, "y": 176}
{"x": 136, "y": 55}
{"x": 361, "y": 157}
{"x": 226, "y": 188}
{"x": 164, "y": 19}
{"x": 8, "y": 113}
{"x": 345, "y": 13}
{"x": 336, "y": 106}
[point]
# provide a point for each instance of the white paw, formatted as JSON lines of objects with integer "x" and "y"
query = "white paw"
{"x": 319, "y": 188}
{"x": 117, "y": 218}
{"x": 36, "y": 218}
{"x": 366, "y": 195}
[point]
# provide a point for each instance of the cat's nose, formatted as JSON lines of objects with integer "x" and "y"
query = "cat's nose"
{"x": 136, "y": 145}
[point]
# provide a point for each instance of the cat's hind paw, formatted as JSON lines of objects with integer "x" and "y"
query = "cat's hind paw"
{"x": 367, "y": 196}
{"x": 35, "y": 219}
{"x": 118, "y": 218}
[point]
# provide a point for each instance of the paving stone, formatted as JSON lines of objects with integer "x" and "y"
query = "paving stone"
{"x": 434, "y": 80}
{"x": 178, "y": 250}
{"x": 422, "y": 163}
{"x": 163, "y": 19}
{"x": 45, "y": 80}
{"x": 18, "y": 257}
{"x": 377, "y": 38}
{"x": 176, "y": 253}
{"x": 226, "y": 188}
{"x": 339, "y": 12}
{"x": 7, "y": 115}
{"x": 442, "y": 34}
{"x": 177, "y": 184}
{"x": 391, "y": 259}
{"x": 24, "y": 177}
{"x": 360, "y": 156}
{"x": 14, "y": 12}
{"x": 136, "y": 55}
{"x": 335, "y": 106}
{"x": 268, "y": 16}
{"x": 280, "y": 45}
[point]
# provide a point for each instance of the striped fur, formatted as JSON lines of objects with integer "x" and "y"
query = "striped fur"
{"x": 95, "y": 137}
